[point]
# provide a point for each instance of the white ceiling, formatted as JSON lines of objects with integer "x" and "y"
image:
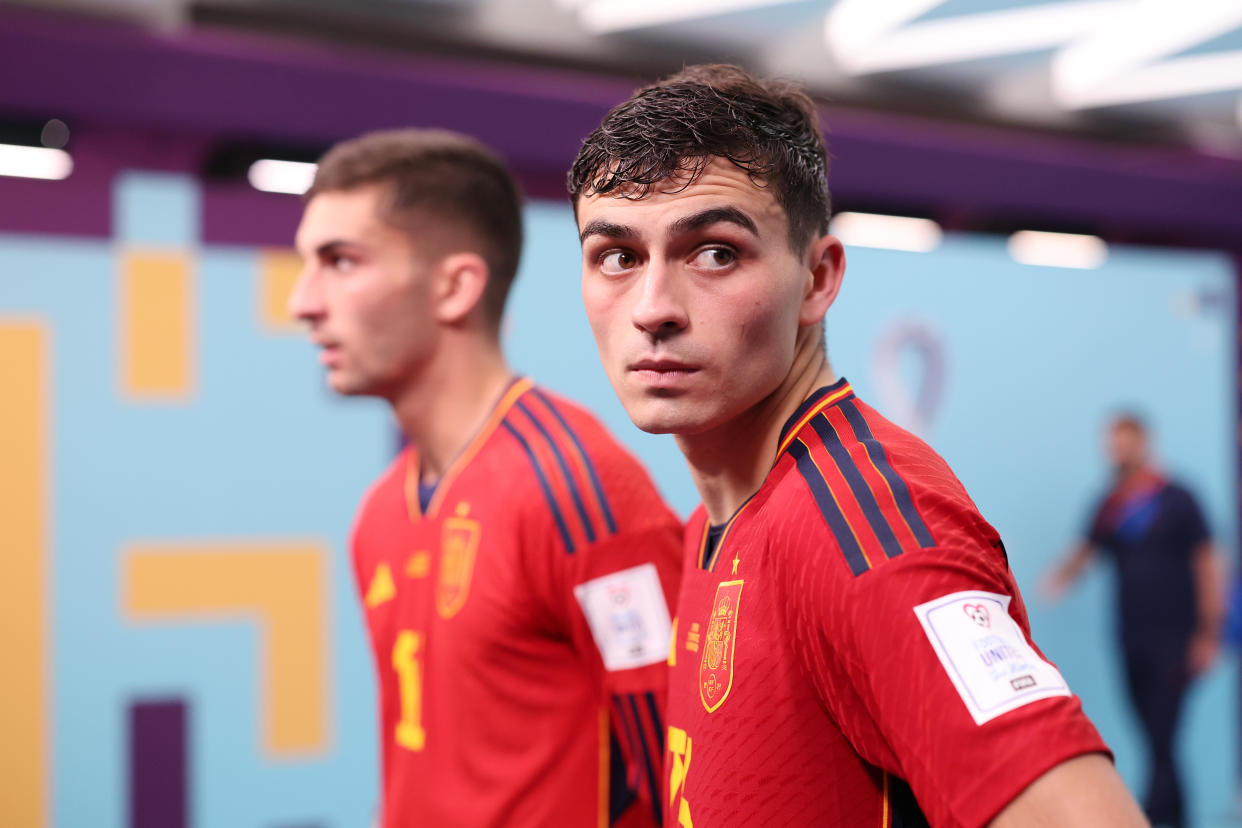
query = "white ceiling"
{"x": 1166, "y": 69}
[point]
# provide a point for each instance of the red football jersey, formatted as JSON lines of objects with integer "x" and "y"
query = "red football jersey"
{"x": 854, "y": 651}
{"x": 520, "y": 626}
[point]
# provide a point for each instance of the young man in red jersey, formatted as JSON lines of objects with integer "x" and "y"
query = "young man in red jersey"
{"x": 850, "y": 648}
{"x": 515, "y": 563}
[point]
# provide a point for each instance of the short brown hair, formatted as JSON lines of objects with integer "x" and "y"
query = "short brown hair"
{"x": 441, "y": 176}
{"x": 768, "y": 128}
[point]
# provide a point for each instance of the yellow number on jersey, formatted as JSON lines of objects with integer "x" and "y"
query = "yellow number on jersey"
{"x": 405, "y": 660}
{"x": 679, "y": 746}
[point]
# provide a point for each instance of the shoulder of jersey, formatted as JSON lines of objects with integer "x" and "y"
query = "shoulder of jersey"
{"x": 570, "y": 467}
{"x": 868, "y": 490}
{"x": 386, "y": 492}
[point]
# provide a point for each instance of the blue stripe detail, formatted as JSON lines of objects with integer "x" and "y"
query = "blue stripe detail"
{"x": 586, "y": 459}
{"x": 651, "y": 773}
{"x": 905, "y": 504}
{"x": 905, "y": 808}
{"x": 569, "y": 478}
{"x": 543, "y": 483}
{"x": 620, "y": 796}
{"x": 654, "y": 710}
{"x": 862, "y": 492}
{"x": 828, "y": 508}
{"x": 809, "y": 403}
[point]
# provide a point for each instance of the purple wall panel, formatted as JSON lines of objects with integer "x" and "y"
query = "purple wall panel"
{"x": 161, "y": 100}
{"x": 159, "y": 764}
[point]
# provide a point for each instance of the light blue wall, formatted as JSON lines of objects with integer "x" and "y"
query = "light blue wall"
{"x": 1032, "y": 361}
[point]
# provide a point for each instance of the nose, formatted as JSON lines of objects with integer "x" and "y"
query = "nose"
{"x": 306, "y": 298}
{"x": 660, "y": 309}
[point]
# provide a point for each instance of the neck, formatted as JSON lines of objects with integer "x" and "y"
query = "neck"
{"x": 730, "y": 462}
{"x": 451, "y": 399}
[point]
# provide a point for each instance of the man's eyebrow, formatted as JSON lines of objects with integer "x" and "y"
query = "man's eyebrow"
{"x": 599, "y": 227}
{"x": 710, "y": 216}
{"x": 329, "y": 246}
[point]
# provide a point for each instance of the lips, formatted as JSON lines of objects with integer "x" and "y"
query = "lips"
{"x": 664, "y": 366}
{"x": 663, "y": 375}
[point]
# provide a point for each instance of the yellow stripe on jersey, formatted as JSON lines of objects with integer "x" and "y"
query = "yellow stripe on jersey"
{"x": 839, "y": 394}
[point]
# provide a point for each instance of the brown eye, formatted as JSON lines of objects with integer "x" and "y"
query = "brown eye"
{"x": 617, "y": 261}
{"x": 714, "y": 258}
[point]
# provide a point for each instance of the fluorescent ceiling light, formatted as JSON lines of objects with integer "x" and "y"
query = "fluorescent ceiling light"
{"x": 607, "y": 16}
{"x": 918, "y": 235}
{"x": 865, "y": 37}
{"x": 272, "y": 176}
{"x": 1129, "y": 60}
{"x": 34, "y": 162}
{"x": 1033, "y": 247}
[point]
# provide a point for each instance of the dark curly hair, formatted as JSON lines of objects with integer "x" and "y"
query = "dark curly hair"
{"x": 675, "y": 127}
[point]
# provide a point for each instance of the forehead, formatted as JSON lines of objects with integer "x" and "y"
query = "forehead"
{"x": 341, "y": 214}
{"x": 721, "y": 183}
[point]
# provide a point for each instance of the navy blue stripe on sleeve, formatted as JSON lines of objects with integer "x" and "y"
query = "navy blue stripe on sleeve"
{"x": 620, "y": 795}
{"x": 654, "y": 786}
{"x": 836, "y": 521}
{"x": 543, "y": 483}
{"x": 569, "y": 477}
{"x": 656, "y": 721}
{"x": 862, "y": 492}
{"x": 901, "y": 493}
{"x": 586, "y": 461}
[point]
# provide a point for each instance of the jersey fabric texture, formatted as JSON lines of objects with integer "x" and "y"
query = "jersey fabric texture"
{"x": 804, "y": 689}
{"x": 1151, "y": 529}
{"x": 496, "y": 707}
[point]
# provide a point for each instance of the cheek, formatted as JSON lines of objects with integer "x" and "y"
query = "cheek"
{"x": 602, "y": 307}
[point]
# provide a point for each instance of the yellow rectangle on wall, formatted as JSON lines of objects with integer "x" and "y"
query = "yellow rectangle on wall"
{"x": 284, "y": 586}
{"x": 156, "y": 324}
{"x": 23, "y": 590}
{"x": 278, "y": 272}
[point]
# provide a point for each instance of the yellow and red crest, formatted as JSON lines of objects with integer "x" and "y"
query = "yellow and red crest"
{"x": 716, "y": 666}
{"x": 459, "y": 541}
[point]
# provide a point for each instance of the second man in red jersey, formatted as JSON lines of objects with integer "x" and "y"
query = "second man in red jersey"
{"x": 515, "y": 563}
{"x": 850, "y": 647}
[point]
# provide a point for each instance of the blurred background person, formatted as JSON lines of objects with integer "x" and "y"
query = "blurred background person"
{"x": 1169, "y": 597}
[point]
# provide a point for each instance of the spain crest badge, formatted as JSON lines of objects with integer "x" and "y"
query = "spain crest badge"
{"x": 459, "y": 541}
{"x": 716, "y": 665}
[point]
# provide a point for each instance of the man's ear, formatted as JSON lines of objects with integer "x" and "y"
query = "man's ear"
{"x": 825, "y": 263}
{"x": 461, "y": 279}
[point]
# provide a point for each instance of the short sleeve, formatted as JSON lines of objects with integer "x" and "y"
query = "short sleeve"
{"x": 1194, "y": 524}
{"x": 927, "y": 665}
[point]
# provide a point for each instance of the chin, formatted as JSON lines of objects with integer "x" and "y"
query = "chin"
{"x": 664, "y": 416}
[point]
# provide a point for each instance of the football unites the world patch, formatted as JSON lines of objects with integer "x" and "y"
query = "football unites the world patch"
{"x": 628, "y": 617}
{"x": 986, "y": 655}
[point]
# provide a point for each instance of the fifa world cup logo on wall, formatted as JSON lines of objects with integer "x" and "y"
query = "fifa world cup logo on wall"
{"x": 716, "y": 667}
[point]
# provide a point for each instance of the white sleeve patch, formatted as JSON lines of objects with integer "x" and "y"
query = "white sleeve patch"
{"x": 628, "y": 617}
{"x": 986, "y": 655}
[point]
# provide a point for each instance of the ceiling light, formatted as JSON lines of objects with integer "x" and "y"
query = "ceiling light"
{"x": 918, "y": 235}
{"x": 1130, "y": 59}
{"x": 1034, "y": 247}
{"x": 866, "y": 42}
{"x": 607, "y": 16}
{"x": 34, "y": 162}
{"x": 273, "y": 176}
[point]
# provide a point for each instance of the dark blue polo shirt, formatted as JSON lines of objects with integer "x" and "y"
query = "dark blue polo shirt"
{"x": 1152, "y": 531}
